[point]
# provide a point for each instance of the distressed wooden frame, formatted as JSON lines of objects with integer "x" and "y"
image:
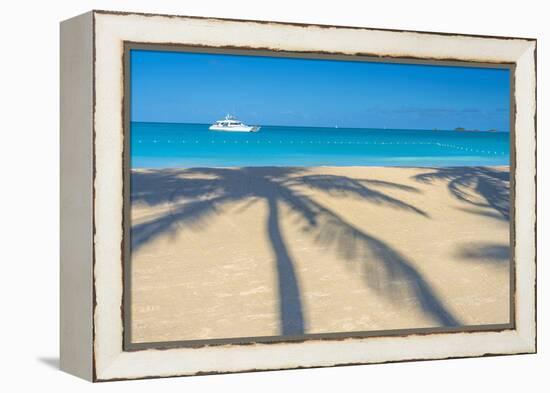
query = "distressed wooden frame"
{"x": 92, "y": 194}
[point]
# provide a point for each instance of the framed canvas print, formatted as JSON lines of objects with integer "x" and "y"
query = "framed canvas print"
{"x": 245, "y": 195}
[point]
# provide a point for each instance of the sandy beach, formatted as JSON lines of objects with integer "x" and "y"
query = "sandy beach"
{"x": 247, "y": 252}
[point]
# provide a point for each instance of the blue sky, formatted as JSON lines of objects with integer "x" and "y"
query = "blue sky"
{"x": 201, "y": 88}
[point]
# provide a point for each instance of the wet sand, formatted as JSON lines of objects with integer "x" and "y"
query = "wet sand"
{"x": 247, "y": 252}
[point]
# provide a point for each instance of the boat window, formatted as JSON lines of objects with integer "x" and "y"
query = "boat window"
{"x": 229, "y": 123}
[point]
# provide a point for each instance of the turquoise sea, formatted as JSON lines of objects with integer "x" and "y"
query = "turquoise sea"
{"x": 178, "y": 145}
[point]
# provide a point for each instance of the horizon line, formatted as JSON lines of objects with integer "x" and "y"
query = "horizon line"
{"x": 492, "y": 130}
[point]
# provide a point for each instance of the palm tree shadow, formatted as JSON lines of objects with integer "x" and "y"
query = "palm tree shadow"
{"x": 384, "y": 268}
{"x": 495, "y": 253}
{"x": 485, "y": 188}
{"x": 198, "y": 194}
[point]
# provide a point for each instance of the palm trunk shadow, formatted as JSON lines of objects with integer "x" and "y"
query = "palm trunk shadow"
{"x": 290, "y": 302}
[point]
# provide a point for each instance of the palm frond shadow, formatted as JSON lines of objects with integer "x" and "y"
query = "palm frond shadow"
{"x": 384, "y": 268}
{"x": 198, "y": 194}
{"x": 485, "y": 252}
{"x": 469, "y": 183}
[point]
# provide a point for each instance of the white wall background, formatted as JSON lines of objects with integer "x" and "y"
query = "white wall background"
{"x": 29, "y": 210}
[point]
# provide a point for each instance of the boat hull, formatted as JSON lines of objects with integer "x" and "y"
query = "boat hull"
{"x": 234, "y": 129}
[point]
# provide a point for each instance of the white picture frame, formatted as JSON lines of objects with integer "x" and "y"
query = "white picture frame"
{"x": 92, "y": 194}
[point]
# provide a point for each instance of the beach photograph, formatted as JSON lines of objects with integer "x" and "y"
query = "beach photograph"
{"x": 274, "y": 198}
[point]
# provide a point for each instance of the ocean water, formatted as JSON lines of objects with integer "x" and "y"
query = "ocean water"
{"x": 179, "y": 145}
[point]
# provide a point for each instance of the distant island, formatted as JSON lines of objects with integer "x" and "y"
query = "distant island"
{"x": 462, "y": 129}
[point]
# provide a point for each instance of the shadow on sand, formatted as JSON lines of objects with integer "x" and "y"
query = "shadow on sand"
{"x": 197, "y": 195}
{"x": 485, "y": 252}
{"x": 486, "y": 189}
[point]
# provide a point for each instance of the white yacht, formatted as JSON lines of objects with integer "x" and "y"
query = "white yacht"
{"x": 231, "y": 124}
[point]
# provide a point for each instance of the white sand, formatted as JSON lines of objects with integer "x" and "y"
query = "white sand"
{"x": 356, "y": 249}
